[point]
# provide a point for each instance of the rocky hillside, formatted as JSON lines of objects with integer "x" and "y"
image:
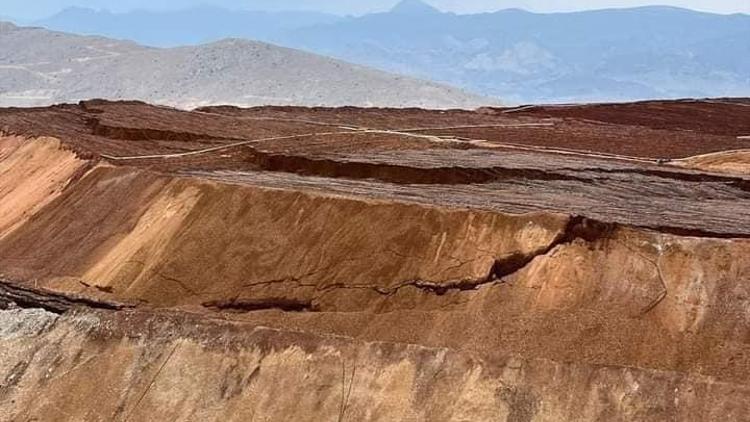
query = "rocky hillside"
{"x": 524, "y": 57}
{"x": 40, "y": 67}
{"x": 515, "y": 55}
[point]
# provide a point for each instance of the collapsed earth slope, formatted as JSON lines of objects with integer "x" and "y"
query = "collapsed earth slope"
{"x": 536, "y": 263}
{"x": 41, "y": 67}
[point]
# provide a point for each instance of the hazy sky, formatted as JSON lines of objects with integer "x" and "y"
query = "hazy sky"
{"x": 30, "y": 9}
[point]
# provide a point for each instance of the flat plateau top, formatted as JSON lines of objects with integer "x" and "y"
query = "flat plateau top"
{"x": 618, "y": 163}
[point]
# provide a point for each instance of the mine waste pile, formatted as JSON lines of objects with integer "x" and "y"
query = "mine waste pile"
{"x": 537, "y": 263}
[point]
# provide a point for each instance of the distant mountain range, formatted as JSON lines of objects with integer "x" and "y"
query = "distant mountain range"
{"x": 41, "y": 67}
{"x": 605, "y": 55}
{"x": 184, "y": 27}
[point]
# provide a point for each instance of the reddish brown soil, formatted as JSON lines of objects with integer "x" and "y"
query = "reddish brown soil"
{"x": 537, "y": 159}
{"x": 549, "y": 263}
{"x": 657, "y": 129}
{"x": 651, "y": 129}
{"x": 723, "y": 117}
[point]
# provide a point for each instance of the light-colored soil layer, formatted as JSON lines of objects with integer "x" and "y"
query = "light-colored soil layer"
{"x": 104, "y": 366}
{"x": 34, "y": 172}
{"x": 729, "y": 162}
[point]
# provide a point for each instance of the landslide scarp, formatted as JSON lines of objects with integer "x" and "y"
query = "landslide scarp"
{"x": 349, "y": 265}
{"x": 254, "y": 267}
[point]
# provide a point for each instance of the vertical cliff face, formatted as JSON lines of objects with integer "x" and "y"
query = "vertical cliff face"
{"x": 429, "y": 283}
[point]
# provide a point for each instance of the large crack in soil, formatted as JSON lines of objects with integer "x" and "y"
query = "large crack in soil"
{"x": 148, "y": 134}
{"x": 250, "y": 305}
{"x": 12, "y": 292}
{"x": 392, "y": 173}
{"x": 578, "y": 227}
{"x": 453, "y": 175}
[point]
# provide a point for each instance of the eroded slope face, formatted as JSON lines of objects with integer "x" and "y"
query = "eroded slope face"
{"x": 34, "y": 172}
{"x": 395, "y": 263}
{"x": 188, "y": 368}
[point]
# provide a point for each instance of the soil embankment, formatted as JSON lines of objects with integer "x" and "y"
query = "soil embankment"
{"x": 365, "y": 274}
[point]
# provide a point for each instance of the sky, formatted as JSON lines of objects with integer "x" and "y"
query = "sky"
{"x": 36, "y": 9}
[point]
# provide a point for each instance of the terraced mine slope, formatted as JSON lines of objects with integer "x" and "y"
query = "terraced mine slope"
{"x": 527, "y": 264}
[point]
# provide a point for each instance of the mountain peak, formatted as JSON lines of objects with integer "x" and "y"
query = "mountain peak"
{"x": 413, "y": 7}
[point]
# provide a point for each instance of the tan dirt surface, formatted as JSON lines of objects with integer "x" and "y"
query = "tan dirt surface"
{"x": 728, "y": 162}
{"x": 35, "y": 172}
